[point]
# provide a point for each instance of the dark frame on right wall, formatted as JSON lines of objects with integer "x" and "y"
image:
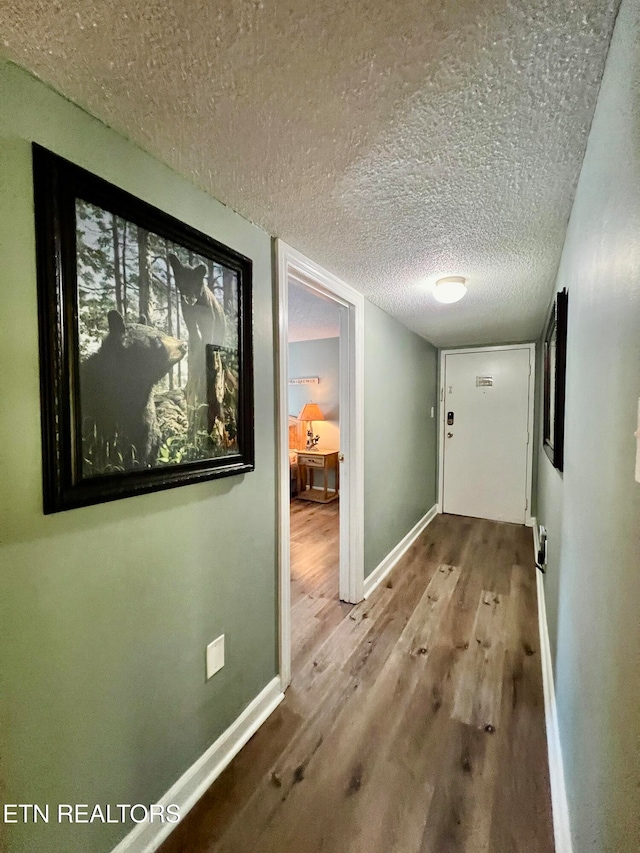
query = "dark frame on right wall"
{"x": 555, "y": 363}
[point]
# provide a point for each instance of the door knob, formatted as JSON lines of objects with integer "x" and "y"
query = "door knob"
{"x": 449, "y": 435}
{"x": 341, "y": 457}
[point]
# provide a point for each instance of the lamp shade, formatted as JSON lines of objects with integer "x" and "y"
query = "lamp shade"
{"x": 311, "y": 412}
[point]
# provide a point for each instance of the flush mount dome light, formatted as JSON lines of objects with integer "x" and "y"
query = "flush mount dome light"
{"x": 450, "y": 289}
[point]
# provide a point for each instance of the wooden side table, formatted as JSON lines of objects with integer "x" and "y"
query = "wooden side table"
{"x": 310, "y": 461}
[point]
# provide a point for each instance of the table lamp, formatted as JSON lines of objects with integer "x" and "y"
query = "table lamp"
{"x": 311, "y": 412}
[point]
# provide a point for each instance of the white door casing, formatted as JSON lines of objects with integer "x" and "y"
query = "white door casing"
{"x": 486, "y": 454}
{"x": 293, "y": 265}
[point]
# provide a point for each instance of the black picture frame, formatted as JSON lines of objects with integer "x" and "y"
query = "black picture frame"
{"x": 555, "y": 363}
{"x": 74, "y": 443}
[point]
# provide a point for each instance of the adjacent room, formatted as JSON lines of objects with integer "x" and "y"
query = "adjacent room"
{"x": 314, "y": 458}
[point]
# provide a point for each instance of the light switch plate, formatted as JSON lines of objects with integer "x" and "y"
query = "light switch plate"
{"x": 215, "y": 656}
{"x": 432, "y": 411}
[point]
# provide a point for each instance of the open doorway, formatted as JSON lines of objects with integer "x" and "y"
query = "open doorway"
{"x": 320, "y": 482}
{"x": 314, "y": 462}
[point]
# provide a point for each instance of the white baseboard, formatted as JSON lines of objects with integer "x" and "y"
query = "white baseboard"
{"x": 559, "y": 805}
{"x": 147, "y": 837}
{"x": 536, "y": 541}
{"x": 382, "y": 570}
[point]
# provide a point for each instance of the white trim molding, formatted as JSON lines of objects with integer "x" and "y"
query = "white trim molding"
{"x": 185, "y": 793}
{"x": 536, "y": 541}
{"x": 380, "y": 572}
{"x": 292, "y": 265}
{"x": 559, "y": 805}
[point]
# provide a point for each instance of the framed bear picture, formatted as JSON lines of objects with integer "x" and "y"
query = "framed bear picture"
{"x": 145, "y": 344}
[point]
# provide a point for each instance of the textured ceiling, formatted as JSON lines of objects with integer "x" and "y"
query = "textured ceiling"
{"x": 392, "y": 142}
{"x": 311, "y": 315}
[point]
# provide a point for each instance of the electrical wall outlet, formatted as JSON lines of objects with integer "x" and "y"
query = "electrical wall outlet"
{"x": 215, "y": 656}
{"x": 432, "y": 411}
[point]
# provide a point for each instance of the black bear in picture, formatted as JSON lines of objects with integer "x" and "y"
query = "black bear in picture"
{"x": 205, "y": 321}
{"x": 203, "y": 314}
{"x": 120, "y": 430}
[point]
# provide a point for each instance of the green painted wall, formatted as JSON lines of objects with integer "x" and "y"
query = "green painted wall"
{"x": 400, "y": 442}
{"x": 105, "y": 611}
{"x": 592, "y": 512}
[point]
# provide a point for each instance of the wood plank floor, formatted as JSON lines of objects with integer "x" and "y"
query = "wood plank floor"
{"x": 315, "y": 564}
{"x": 416, "y": 725}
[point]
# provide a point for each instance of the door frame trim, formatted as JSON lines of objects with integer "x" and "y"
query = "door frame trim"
{"x": 292, "y": 264}
{"x": 531, "y": 422}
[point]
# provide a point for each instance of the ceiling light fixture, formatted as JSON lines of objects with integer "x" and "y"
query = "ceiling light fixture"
{"x": 450, "y": 289}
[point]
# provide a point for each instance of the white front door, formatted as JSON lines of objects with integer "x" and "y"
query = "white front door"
{"x": 486, "y": 412}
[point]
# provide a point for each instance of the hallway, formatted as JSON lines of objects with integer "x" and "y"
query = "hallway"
{"x": 417, "y": 726}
